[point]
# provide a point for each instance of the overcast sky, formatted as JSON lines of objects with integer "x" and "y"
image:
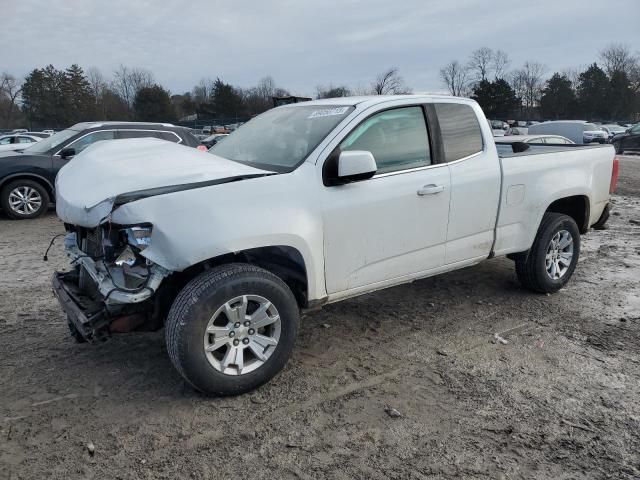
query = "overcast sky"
{"x": 305, "y": 43}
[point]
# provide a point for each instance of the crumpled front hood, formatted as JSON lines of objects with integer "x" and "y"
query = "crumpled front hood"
{"x": 120, "y": 171}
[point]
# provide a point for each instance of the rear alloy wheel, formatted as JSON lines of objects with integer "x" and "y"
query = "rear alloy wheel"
{"x": 231, "y": 329}
{"x": 559, "y": 255}
{"x": 548, "y": 266}
{"x": 23, "y": 199}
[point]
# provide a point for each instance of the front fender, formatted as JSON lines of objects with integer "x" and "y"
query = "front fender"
{"x": 192, "y": 226}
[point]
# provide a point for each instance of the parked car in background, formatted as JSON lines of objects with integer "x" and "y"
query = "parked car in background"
{"x": 517, "y": 131}
{"x": 211, "y": 140}
{"x": 596, "y": 135}
{"x": 17, "y": 142}
{"x": 27, "y": 177}
{"x": 578, "y": 131}
{"x": 39, "y": 134}
{"x": 19, "y": 130}
{"x": 545, "y": 139}
{"x": 612, "y": 129}
{"x": 50, "y": 132}
{"x": 308, "y": 204}
{"x": 629, "y": 140}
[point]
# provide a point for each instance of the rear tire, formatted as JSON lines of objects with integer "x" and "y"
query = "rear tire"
{"x": 213, "y": 335}
{"x": 24, "y": 199}
{"x": 550, "y": 263}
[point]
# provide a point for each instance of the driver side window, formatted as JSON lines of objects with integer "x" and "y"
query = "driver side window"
{"x": 397, "y": 139}
{"x": 82, "y": 143}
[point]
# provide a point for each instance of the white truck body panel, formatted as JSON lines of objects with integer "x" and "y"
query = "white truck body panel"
{"x": 529, "y": 187}
{"x": 353, "y": 238}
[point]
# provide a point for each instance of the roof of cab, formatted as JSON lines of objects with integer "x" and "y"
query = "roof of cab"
{"x": 88, "y": 125}
{"x": 373, "y": 100}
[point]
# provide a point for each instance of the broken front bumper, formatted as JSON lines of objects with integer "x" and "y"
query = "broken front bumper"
{"x": 89, "y": 317}
{"x": 113, "y": 293}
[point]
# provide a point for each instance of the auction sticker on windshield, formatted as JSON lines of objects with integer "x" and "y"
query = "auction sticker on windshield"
{"x": 328, "y": 112}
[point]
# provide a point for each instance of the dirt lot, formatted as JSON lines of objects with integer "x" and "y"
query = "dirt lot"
{"x": 560, "y": 400}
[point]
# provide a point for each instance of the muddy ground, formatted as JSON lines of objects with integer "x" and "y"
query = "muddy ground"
{"x": 560, "y": 400}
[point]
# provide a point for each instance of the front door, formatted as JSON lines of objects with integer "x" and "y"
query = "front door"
{"x": 394, "y": 224}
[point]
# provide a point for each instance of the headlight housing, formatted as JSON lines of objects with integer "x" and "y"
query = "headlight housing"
{"x": 139, "y": 236}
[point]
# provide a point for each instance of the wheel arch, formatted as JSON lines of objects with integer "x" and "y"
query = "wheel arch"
{"x": 284, "y": 261}
{"x": 30, "y": 176}
{"x": 575, "y": 206}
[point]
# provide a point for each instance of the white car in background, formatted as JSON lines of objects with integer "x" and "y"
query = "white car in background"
{"x": 517, "y": 131}
{"x": 578, "y": 131}
{"x": 612, "y": 130}
{"x": 548, "y": 139}
{"x": 17, "y": 142}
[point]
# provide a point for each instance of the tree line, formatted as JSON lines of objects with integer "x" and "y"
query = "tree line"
{"x": 53, "y": 98}
{"x": 608, "y": 89}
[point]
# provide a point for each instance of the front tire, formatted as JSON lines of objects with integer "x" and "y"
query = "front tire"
{"x": 550, "y": 263}
{"x": 24, "y": 199}
{"x": 231, "y": 329}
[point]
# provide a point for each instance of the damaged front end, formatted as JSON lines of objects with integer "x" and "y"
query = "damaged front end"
{"x": 111, "y": 288}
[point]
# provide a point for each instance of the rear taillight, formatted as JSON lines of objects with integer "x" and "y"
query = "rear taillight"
{"x": 614, "y": 175}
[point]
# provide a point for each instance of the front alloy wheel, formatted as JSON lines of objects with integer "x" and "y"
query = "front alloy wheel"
{"x": 242, "y": 334}
{"x": 231, "y": 329}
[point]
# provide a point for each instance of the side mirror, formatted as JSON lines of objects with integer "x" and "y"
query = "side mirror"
{"x": 356, "y": 165}
{"x": 67, "y": 153}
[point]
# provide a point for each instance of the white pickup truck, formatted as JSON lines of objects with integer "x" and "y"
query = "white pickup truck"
{"x": 308, "y": 204}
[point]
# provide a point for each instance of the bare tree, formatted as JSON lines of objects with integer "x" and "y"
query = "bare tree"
{"x": 500, "y": 62}
{"x": 480, "y": 63}
{"x": 10, "y": 89}
{"x": 96, "y": 82}
{"x": 528, "y": 83}
{"x": 454, "y": 76}
{"x": 203, "y": 92}
{"x": 128, "y": 81}
{"x": 389, "y": 83}
{"x": 573, "y": 74}
{"x": 332, "y": 91}
{"x": 617, "y": 57}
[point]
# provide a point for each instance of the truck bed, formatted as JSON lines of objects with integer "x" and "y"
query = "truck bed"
{"x": 506, "y": 149}
{"x": 534, "y": 178}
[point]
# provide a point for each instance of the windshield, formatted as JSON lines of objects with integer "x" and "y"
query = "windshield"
{"x": 53, "y": 141}
{"x": 590, "y": 127}
{"x": 280, "y": 139}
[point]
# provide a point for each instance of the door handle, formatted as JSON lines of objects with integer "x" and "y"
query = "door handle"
{"x": 430, "y": 189}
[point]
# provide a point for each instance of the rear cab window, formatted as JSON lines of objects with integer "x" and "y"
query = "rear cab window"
{"x": 460, "y": 130}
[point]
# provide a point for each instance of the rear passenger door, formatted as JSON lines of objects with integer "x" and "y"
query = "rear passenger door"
{"x": 475, "y": 182}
